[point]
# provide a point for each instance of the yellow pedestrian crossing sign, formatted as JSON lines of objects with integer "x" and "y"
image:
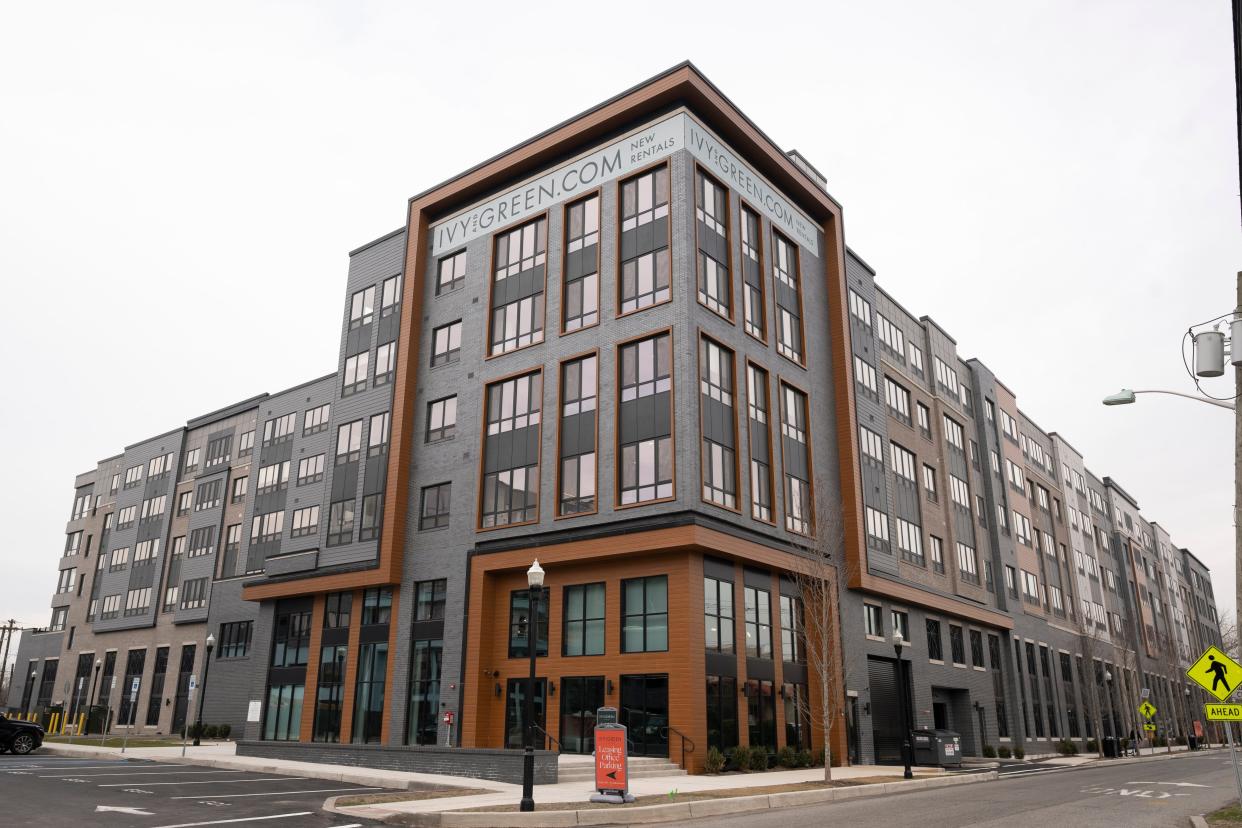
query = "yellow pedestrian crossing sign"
{"x": 1147, "y": 709}
{"x": 1216, "y": 673}
{"x": 1149, "y": 726}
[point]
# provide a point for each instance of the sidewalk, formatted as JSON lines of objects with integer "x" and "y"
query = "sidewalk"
{"x": 1144, "y": 753}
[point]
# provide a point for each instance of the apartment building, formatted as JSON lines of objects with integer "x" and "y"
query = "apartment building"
{"x": 725, "y": 388}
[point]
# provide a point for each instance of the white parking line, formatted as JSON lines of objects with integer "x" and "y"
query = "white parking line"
{"x": 77, "y": 767}
{"x": 137, "y": 773}
{"x": 350, "y": 825}
{"x": 273, "y": 793}
{"x": 244, "y": 819}
{"x": 205, "y": 782}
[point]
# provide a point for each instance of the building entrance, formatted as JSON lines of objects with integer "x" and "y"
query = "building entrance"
{"x": 581, "y": 696}
{"x": 644, "y": 710}
{"x": 888, "y": 731}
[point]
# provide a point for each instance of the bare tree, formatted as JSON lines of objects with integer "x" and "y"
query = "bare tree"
{"x": 1095, "y": 647}
{"x": 1229, "y": 636}
{"x": 819, "y": 583}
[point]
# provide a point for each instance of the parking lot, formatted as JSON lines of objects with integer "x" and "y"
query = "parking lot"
{"x": 41, "y": 790}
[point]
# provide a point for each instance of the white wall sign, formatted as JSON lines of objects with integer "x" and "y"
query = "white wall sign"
{"x": 255, "y": 710}
{"x": 637, "y": 150}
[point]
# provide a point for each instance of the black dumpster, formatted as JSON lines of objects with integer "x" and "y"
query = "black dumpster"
{"x": 1111, "y": 747}
{"x": 1192, "y": 742}
{"x": 938, "y": 748}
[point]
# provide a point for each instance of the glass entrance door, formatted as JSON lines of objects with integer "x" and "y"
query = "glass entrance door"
{"x": 581, "y": 696}
{"x": 515, "y": 711}
{"x": 644, "y": 710}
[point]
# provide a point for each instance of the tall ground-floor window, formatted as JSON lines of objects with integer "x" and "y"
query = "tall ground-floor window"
{"x": 328, "y": 693}
{"x": 797, "y": 730}
{"x": 515, "y": 710}
{"x": 283, "y": 718}
{"x": 761, "y": 713}
{"x": 721, "y": 712}
{"x": 422, "y": 725}
{"x": 369, "y": 692}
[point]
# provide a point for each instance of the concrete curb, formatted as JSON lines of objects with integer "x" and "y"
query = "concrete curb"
{"x": 1132, "y": 760}
{"x": 649, "y": 814}
{"x": 1198, "y": 822}
{"x": 368, "y": 777}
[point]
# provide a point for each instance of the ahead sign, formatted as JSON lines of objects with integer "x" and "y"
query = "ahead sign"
{"x": 1223, "y": 712}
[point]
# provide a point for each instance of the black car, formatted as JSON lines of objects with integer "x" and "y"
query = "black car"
{"x": 18, "y": 736}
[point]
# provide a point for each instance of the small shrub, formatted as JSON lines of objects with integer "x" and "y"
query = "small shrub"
{"x": 817, "y": 759}
{"x": 225, "y": 730}
{"x": 715, "y": 761}
{"x": 1003, "y": 752}
{"x": 1019, "y": 753}
{"x": 758, "y": 758}
{"x": 787, "y": 757}
{"x": 739, "y": 758}
{"x": 1160, "y": 741}
{"x": 1067, "y": 748}
{"x": 805, "y": 759}
{"x": 989, "y": 752}
{"x": 210, "y": 731}
{"x": 1093, "y": 746}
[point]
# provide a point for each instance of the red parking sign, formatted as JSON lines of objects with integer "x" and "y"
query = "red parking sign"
{"x": 610, "y": 760}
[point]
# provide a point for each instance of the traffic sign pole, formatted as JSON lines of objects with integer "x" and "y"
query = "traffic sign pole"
{"x": 1233, "y": 756}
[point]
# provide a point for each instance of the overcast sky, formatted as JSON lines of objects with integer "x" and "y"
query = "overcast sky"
{"x": 1055, "y": 184}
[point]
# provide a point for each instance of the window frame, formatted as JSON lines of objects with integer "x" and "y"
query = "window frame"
{"x": 619, "y": 469}
{"x": 706, "y": 339}
{"x": 560, "y": 415}
{"x": 598, "y": 194}
{"x": 797, "y": 264}
{"x": 480, "y": 498}
{"x": 730, "y": 266}
{"x": 493, "y": 240}
{"x": 618, "y": 278}
{"x": 810, "y": 457}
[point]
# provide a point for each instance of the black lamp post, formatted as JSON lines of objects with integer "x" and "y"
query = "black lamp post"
{"x": 91, "y": 694}
{"x": 534, "y": 580}
{"x": 898, "y": 641}
{"x": 1112, "y": 715}
{"x": 202, "y": 691}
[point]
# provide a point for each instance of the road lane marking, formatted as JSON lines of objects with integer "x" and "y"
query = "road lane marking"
{"x": 272, "y": 793}
{"x": 137, "y": 773}
{"x": 80, "y": 767}
{"x": 122, "y": 810}
{"x": 350, "y": 825}
{"x": 207, "y": 781}
{"x": 243, "y": 819}
{"x": 1179, "y": 784}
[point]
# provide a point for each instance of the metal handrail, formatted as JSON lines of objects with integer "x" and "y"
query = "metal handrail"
{"x": 559, "y": 747}
{"x": 684, "y": 739}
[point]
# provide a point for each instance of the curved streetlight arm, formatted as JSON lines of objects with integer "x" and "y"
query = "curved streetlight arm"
{"x": 1119, "y": 398}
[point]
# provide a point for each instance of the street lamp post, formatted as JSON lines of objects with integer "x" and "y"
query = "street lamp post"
{"x": 1112, "y": 714}
{"x": 906, "y": 747}
{"x": 202, "y": 691}
{"x": 534, "y": 580}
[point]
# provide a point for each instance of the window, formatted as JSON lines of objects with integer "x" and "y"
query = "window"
{"x": 337, "y": 606}
{"x": 111, "y": 607}
{"x": 718, "y": 615}
{"x": 1009, "y": 426}
{"x": 271, "y": 478}
{"x": 510, "y": 492}
{"x": 279, "y": 429}
{"x": 362, "y": 308}
{"x": 145, "y": 551}
{"x": 519, "y": 621}
{"x": 579, "y": 388}
{"x": 1022, "y": 528}
{"x": 758, "y": 407}
{"x": 159, "y": 466}
{"x": 73, "y": 542}
{"x": 903, "y": 464}
{"x": 385, "y": 363}
{"x": 891, "y": 336}
{"x": 126, "y": 517}
{"x": 717, "y": 424}
{"x": 901, "y": 624}
{"x": 305, "y": 522}
{"x": 872, "y": 446}
{"x": 954, "y": 434}
{"x": 452, "y": 273}
{"x": 796, "y": 460}
{"x": 372, "y": 516}
{"x": 946, "y": 377}
{"x": 957, "y": 646}
{"x": 194, "y": 594}
{"x": 873, "y": 618}
{"x": 441, "y": 419}
{"x": 860, "y": 308}
{"x": 341, "y": 522}
{"x": 1011, "y": 581}
{"x": 291, "y": 643}
{"x": 793, "y": 629}
{"x": 916, "y": 358}
{"x": 935, "y": 645}
{"x": 219, "y": 450}
{"x": 584, "y": 620}
{"x": 937, "y": 553}
{"x": 754, "y": 303}
{"x": 376, "y": 606}
{"x": 377, "y": 434}
{"x": 240, "y": 485}
{"x": 246, "y": 444}
{"x": 234, "y": 639}
{"x": 788, "y": 290}
{"x": 929, "y": 482}
{"x": 153, "y": 507}
{"x": 910, "y": 541}
{"x": 356, "y": 370}
{"x": 283, "y": 716}
{"x": 645, "y": 263}
{"x": 310, "y": 469}
{"x": 758, "y": 610}
{"x": 390, "y": 295}
{"x": 864, "y": 374}
{"x": 266, "y": 528}
{"x": 581, "y": 265}
{"x": 65, "y": 582}
{"x": 119, "y": 559}
{"x": 644, "y": 611}
{"x": 315, "y": 420}
{"x": 446, "y": 344}
{"x": 209, "y": 495}
{"x": 645, "y": 433}
{"x": 232, "y": 545}
{"x": 434, "y": 513}
{"x": 959, "y": 492}
{"x": 133, "y": 476}
{"x": 517, "y": 287}
{"x": 369, "y": 692}
{"x": 924, "y": 419}
{"x": 1015, "y": 475}
{"x": 967, "y": 563}
{"x": 348, "y": 442}
{"x": 712, "y": 234}
{"x": 191, "y": 460}
{"x": 877, "y": 528}
{"x": 429, "y": 600}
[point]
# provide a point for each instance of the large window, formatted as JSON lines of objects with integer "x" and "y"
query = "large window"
{"x": 645, "y": 420}
{"x": 305, "y": 522}
{"x": 357, "y": 367}
{"x": 429, "y": 600}
{"x": 645, "y": 264}
{"x": 758, "y": 623}
{"x": 584, "y": 620}
{"x": 517, "y": 287}
{"x": 717, "y": 424}
{"x": 434, "y": 511}
{"x": 441, "y": 419}
{"x": 581, "y": 266}
{"x": 712, "y": 214}
{"x": 446, "y": 344}
{"x": 718, "y": 615}
{"x": 452, "y": 272}
{"x": 935, "y": 644}
{"x": 644, "y": 611}
{"x": 234, "y": 639}
{"x": 426, "y": 656}
{"x": 282, "y": 721}
{"x": 376, "y": 606}
{"x": 519, "y": 621}
{"x": 754, "y": 303}
{"x": 390, "y": 295}
{"x": 789, "y": 340}
{"x": 721, "y": 712}
{"x": 362, "y": 308}
{"x": 330, "y": 693}
{"x": 759, "y": 414}
{"x": 315, "y": 420}
{"x": 341, "y": 522}
{"x": 796, "y": 459}
{"x": 579, "y": 389}
{"x": 793, "y": 629}
{"x": 510, "y": 491}
{"x": 291, "y": 643}
{"x": 369, "y": 692}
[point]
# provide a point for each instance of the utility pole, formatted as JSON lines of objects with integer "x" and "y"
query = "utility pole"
{"x": 1237, "y": 435}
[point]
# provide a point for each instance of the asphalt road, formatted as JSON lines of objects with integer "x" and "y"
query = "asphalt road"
{"x": 42, "y": 790}
{"x": 1152, "y": 794}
